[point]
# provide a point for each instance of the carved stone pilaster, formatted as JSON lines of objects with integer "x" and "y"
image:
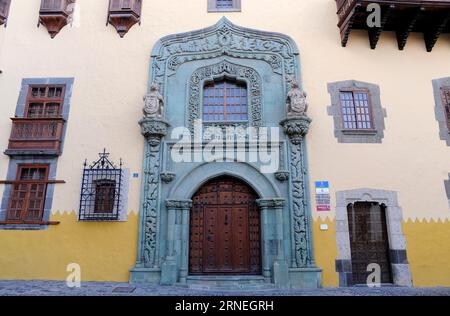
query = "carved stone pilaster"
{"x": 177, "y": 242}
{"x": 153, "y": 129}
{"x": 296, "y": 128}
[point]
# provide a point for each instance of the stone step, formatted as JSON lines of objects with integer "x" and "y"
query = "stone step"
{"x": 231, "y": 283}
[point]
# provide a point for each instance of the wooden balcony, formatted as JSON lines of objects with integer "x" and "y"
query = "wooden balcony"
{"x": 30, "y": 136}
{"x": 55, "y": 14}
{"x": 429, "y": 17}
{"x": 123, "y": 14}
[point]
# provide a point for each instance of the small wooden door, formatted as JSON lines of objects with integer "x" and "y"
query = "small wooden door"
{"x": 225, "y": 229}
{"x": 368, "y": 240}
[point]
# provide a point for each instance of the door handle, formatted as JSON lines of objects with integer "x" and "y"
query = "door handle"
{"x": 226, "y": 219}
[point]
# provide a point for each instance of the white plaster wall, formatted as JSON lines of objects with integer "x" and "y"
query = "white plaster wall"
{"x": 111, "y": 77}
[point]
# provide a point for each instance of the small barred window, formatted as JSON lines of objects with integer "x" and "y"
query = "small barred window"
{"x": 101, "y": 190}
{"x": 224, "y": 5}
{"x": 446, "y": 104}
{"x": 356, "y": 111}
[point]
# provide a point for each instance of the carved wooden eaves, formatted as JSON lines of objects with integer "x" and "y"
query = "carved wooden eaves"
{"x": 55, "y": 14}
{"x": 123, "y": 14}
{"x": 4, "y": 11}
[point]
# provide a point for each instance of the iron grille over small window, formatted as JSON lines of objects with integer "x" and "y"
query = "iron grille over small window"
{"x": 446, "y": 103}
{"x": 356, "y": 110}
{"x": 101, "y": 190}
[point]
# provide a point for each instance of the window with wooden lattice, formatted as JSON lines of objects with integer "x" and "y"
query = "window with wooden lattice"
{"x": 44, "y": 101}
{"x": 27, "y": 199}
{"x": 356, "y": 111}
{"x": 445, "y": 92}
{"x": 4, "y": 11}
{"x": 224, "y": 5}
{"x": 225, "y": 101}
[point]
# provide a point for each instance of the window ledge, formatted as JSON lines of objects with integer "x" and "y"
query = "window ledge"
{"x": 29, "y": 223}
{"x": 358, "y": 132}
{"x": 224, "y": 10}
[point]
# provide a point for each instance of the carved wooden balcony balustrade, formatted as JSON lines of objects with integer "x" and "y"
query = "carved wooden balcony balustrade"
{"x": 36, "y": 136}
{"x": 123, "y": 14}
{"x": 430, "y": 17}
{"x": 4, "y": 11}
{"x": 55, "y": 14}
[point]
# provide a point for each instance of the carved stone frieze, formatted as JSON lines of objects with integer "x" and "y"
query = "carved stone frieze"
{"x": 223, "y": 39}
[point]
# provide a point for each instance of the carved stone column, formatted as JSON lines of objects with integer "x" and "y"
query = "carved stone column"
{"x": 148, "y": 261}
{"x": 177, "y": 242}
{"x": 303, "y": 271}
{"x": 274, "y": 245}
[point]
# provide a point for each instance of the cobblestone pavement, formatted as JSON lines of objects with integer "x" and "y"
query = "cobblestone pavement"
{"x": 58, "y": 288}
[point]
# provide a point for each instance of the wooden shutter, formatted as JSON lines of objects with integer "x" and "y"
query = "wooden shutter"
{"x": 27, "y": 198}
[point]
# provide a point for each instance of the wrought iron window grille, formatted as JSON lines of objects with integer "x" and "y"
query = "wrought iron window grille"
{"x": 101, "y": 186}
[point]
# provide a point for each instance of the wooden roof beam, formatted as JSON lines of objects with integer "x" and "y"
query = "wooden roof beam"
{"x": 402, "y": 35}
{"x": 432, "y": 34}
{"x": 347, "y": 25}
{"x": 375, "y": 32}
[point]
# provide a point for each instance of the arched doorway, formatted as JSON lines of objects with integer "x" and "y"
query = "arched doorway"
{"x": 225, "y": 229}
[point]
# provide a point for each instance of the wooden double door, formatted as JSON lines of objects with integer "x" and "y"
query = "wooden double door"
{"x": 368, "y": 240}
{"x": 225, "y": 234}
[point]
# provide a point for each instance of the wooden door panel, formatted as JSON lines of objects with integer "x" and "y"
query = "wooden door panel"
{"x": 210, "y": 260}
{"x": 368, "y": 240}
{"x": 225, "y": 229}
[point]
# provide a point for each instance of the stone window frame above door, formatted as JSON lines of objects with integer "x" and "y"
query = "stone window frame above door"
{"x": 374, "y": 135}
{"x": 401, "y": 273}
{"x": 220, "y": 70}
{"x": 439, "y": 110}
{"x": 213, "y": 6}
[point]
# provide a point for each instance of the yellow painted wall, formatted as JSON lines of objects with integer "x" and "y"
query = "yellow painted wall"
{"x": 104, "y": 251}
{"x": 111, "y": 76}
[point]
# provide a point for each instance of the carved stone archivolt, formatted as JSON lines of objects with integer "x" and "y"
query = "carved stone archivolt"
{"x": 224, "y": 39}
{"x": 224, "y": 68}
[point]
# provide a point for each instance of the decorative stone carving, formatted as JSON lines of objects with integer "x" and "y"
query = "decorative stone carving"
{"x": 167, "y": 176}
{"x": 221, "y": 69}
{"x": 296, "y": 128}
{"x": 179, "y": 204}
{"x": 224, "y": 38}
{"x": 282, "y": 175}
{"x": 153, "y": 129}
{"x": 296, "y": 104}
{"x": 270, "y": 203}
{"x": 154, "y": 102}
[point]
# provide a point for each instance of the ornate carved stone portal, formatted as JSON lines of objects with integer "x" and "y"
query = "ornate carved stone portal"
{"x": 182, "y": 65}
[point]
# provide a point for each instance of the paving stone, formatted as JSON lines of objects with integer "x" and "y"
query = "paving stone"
{"x": 59, "y": 288}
